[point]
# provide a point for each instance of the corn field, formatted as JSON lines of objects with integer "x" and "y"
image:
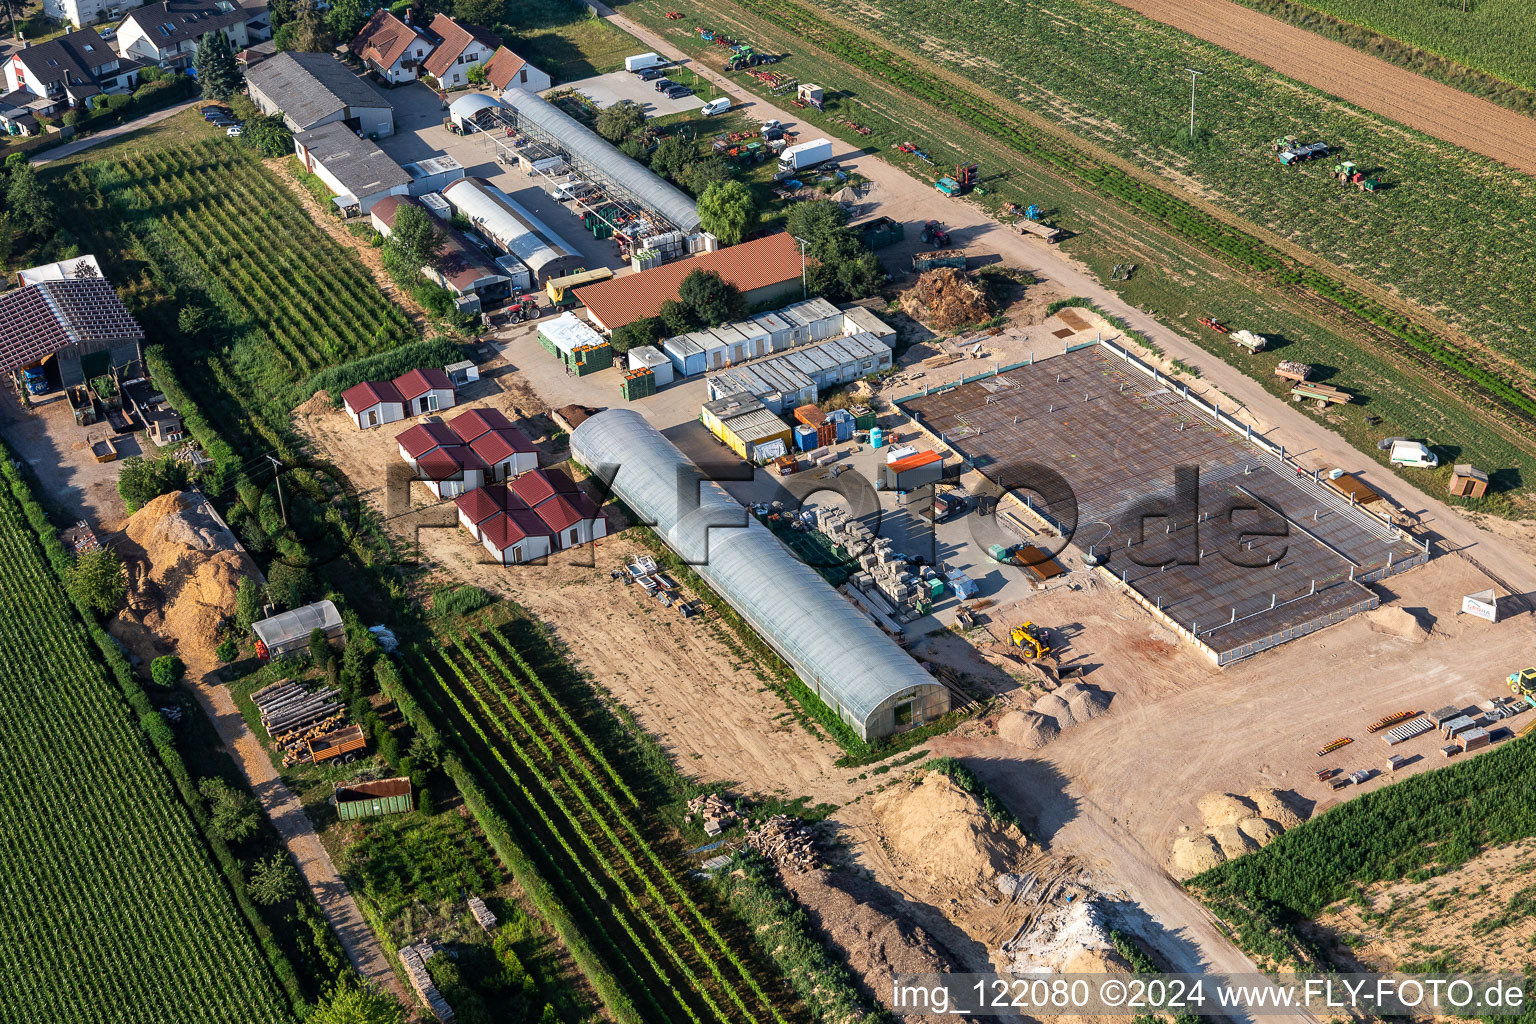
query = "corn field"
{"x": 114, "y": 911}
{"x": 574, "y": 814}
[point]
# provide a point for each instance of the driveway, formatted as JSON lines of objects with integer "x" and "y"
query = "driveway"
{"x": 617, "y": 86}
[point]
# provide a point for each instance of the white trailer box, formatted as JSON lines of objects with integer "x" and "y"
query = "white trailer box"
{"x": 641, "y": 61}
{"x": 1414, "y": 455}
{"x": 805, "y": 154}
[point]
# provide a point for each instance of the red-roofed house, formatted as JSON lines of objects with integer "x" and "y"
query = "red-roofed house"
{"x": 480, "y": 504}
{"x": 506, "y": 70}
{"x": 373, "y": 403}
{"x": 505, "y": 449}
{"x": 573, "y": 517}
{"x": 459, "y": 48}
{"x": 392, "y": 48}
{"x": 425, "y": 391}
{"x": 451, "y": 470}
{"x": 514, "y": 536}
{"x": 423, "y": 438}
{"x": 473, "y": 422}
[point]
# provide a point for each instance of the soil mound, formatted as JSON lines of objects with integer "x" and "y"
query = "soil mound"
{"x": 944, "y": 832}
{"x": 1223, "y": 809}
{"x": 1028, "y": 729}
{"x": 1397, "y": 622}
{"x": 183, "y": 571}
{"x": 1196, "y": 853}
{"x": 1232, "y": 840}
{"x": 945, "y": 299}
{"x": 1260, "y": 831}
{"x": 1096, "y": 961}
{"x": 318, "y": 403}
{"x": 1088, "y": 705}
{"x": 1274, "y": 806}
{"x": 1055, "y": 707}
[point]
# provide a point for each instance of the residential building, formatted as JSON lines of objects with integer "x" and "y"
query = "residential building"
{"x": 765, "y": 270}
{"x": 506, "y": 450}
{"x": 168, "y": 32}
{"x": 475, "y": 281}
{"x": 391, "y": 48}
{"x": 81, "y": 13}
{"x": 506, "y": 70}
{"x": 566, "y": 510}
{"x": 425, "y": 391}
{"x": 68, "y": 69}
{"x": 356, "y": 170}
{"x": 373, "y": 403}
{"x": 459, "y": 47}
{"x": 74, "y": 326}
{"x": 314, "y": 89}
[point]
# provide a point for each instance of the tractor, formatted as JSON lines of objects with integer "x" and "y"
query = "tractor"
{"x": 934, "y": 233}
{"x": 1523, "y": 684}
{"x": 1032, "y": 640}
{"x": 527, "y": 308}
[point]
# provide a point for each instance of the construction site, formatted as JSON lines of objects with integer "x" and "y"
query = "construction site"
{"x": 1212, "y": 529}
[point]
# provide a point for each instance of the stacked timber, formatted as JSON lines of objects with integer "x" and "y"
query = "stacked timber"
{"x": 785, "y": 841}
{"x": 414, "y": 960}
{"x": 715, "y": 812}
{"x": 291, "y": 712}
{"x": 482, "y": 914}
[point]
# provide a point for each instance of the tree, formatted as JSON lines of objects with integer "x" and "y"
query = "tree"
{"x": 675, "y": 318}
{"x": 619, "y": 121}
{"x": 310, "y": 33}
{"x": 350, "y": 1003}
{"x": 228, "y": 650}
{"x": 231, "y": 812}
{"x": 247, "y": 603}
{"x": 476, "y": 74}
{"x": 480, "y": 12}
{"x": 215, "y": 65}
{"x": 269, "y": 135}
{"x": 815, "y": 220}
{"x": 97, "y": 581}
{"x": 7, "y": 238}
{"x": 143, "y": 479}
{"x": 346, "y": 18}
{"x": 288, "y": 586}
{"x": 167, "y": 670}
{"x": 726, "y": 210}
{"x": 644, "y": 331}
{"x": 703, "y": 173}
{"x": 844, "y": 269}
{"x": 274, "y": 880}
{"x": 319, "y": 648}
{"x": 414, "y": 241}
{"x": 673, "y": 156}
{"x": 281, "y": 12}
{"x": 710, "y": 298}
{"x": 31, "y": 209}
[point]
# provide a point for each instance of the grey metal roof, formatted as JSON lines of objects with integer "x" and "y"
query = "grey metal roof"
{"x": 581, "y": 142}
{"x": 362, "y": 167}
{"x": 310, "y": 86}
{"x": 510, "y": 223}
{"x": 834, "y": 648}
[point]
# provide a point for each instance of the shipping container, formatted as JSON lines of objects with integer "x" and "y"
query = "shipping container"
{"x": 365, "y": 799}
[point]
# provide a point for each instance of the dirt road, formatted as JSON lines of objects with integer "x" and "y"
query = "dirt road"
{"x": 1366, "y": 81}
{"x": 288, "y": 817}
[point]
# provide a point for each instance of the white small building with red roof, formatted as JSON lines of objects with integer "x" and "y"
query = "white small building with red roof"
{"x": 424, "y": 438}
{"x": 506, "y": 70}
{"x": 490, "y": 435}
{"x": 538, "y": 513}
{"x": 451, "y": 470}
{"x": 565, "y": 508}
{"x": 424, "y": 391}
{"x": 373, "y": 403}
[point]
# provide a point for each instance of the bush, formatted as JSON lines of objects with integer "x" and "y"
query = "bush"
{"x": 143, "y": 479}
{"x": 619, "y": 121}
{"x": 645, "y": 331}
{"x": 460, "y": 600}
{"x": 167, "y": 670}
{"x": 228, "y": 650}
{"x": 319, "y": 648}
{"x": 232, "y": 812}
{"x": 289, "y": 586}
{"x": 248, "y": 600}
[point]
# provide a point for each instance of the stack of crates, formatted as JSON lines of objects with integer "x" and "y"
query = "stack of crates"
{"x": 590, "y": 358}
{"x": 638, "y": 384}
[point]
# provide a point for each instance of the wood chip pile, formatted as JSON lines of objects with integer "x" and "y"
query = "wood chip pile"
{"x": 944, "y": 299}
{"x": 786, "y": 842}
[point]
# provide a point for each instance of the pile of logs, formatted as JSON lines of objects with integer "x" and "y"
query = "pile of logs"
{"x": 717, "y": 814}
{"x": 785, "y": 841}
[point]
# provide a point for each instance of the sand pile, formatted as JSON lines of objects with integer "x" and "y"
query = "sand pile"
{"x": 1054, "y": 706}
{"x": 1027, "y": 729}
{"x": 944, "y": 299}
{"x": 318, "y": 403}
{"x": 1063, "y": 935}
{"x": 183, "y": 570}
{"x": 1397, "y": 622}
{"x": 944, "y": 833}
{"x": 1233, "y": 825}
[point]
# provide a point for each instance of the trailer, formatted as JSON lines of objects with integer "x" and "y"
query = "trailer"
{"x": 1248, "y": 340}
{"x": 879, "y": 233}
{"x": 1323, "y": 394}
{"x": 943, "y": 258}
{"x": 1291, "y": 370}
{"x": 366, "y": 799}
{"x": 1050, "y": 234}
{"x": 343, "y": 744}
{"x": 804, "y": 155}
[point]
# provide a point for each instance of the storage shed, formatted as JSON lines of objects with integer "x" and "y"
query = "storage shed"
{"x": 686, "y": 355}
{"x": 367, "y": 799}
{"x": 837, "y": 651}
{"x": 774, "y": 382}
{"x": 513, "y": 228}
{"x": 649, "y": 357}
{"x": 746, "y": 427}
{"x": 288, "y": 632}
{"x": 1467, "y": 481}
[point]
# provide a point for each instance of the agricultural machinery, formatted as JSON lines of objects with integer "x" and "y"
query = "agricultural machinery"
{"x": 1348, "y": 174}
{"x": 1288, "y": 151}
{"x": 935, "y": 235}
{"x": 963, "y": 181}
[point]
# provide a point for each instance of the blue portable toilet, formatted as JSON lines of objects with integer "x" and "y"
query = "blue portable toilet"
{"x": 876, "y": 437}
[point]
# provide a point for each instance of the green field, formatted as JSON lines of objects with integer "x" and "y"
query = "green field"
{"x": 1494, "y": 36}
{"x": 114, "y": 909}
{"x": 563, "y": 39}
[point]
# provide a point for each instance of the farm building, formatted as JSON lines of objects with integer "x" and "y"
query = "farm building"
{"x": 506, "y": 70}
{"x": 794, "y": 378}
{"x": 504, "y": 524}
{"x": 288, "y": 632}
{"x": 649, "y": 357}
{"x": 745, "y": 426}
{"x": 433, "y": 174}
{"x": 366, "y": 799}
{"x": 505, "y": 449}
{"x": 314, "y": 89}
{"x": 167, "y": 33}
{"x": 765, "y": 270}
{"x": 461, "y": 267}
{"x": 564, "y": 507}
{"x": 459, "y": 48}
{"x": 423, "y": 391}
{"x": 1467, "y": 481}
{"x": 842, "y": 656}
{"x": 581, "y": 348}
{"x": 357, "y": 172}
{"x": 391, "y": 48}
{"x": 72, "y": 326}
{"x": 373, "y": 403}
{"x": 513, "y": 228}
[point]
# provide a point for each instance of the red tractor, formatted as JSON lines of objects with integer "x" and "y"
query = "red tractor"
{"x": 527, "y": 308}
{"x": 934, "y": 233}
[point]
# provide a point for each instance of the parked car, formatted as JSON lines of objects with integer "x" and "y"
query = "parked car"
{"x": 233, "y": 131}
{"x": 773, "y": 125}
{"x": 572, "y": 190}
{"x": 663, "y": 84}
{"x": 651, "y": 74}
{"x": 677, "y": 92}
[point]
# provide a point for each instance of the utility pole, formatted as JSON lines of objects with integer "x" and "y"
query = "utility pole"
{"x": 804, "y": 288}
{"x": 277, "y": 478}
{"x": 1193, "y": 77}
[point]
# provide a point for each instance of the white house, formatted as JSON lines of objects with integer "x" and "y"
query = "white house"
{"x": 69, "y": 69}
{"x": 168, "y": 32}
{"x": 391, "y": 48}
{"x": 563, "y": 507}
{"x": 451, "y": 470}
{"x": 425, "y": 391}
{"x": 373, "y": 403}
{"x": 504, "y": 524}
{"x": 459, "y": 47}
{"x": 422, "y": 439}
{"x": 506, "y": 70}
{"x": 80, "y": 13}
{"x": 505, "y": 450}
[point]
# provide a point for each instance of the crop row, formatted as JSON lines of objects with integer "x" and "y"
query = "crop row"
{"x": 1177, "y": 215}
{"x": 116, "y": 912}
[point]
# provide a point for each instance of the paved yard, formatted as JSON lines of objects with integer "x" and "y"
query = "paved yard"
{"x": 606, "y": 90}
{"x": 59, "y": 451}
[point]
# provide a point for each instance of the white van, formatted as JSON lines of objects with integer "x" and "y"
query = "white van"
{"x": 641, "y": 61}
{"x": 717, "y": 106}
{"x": 1413, "y": 454}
